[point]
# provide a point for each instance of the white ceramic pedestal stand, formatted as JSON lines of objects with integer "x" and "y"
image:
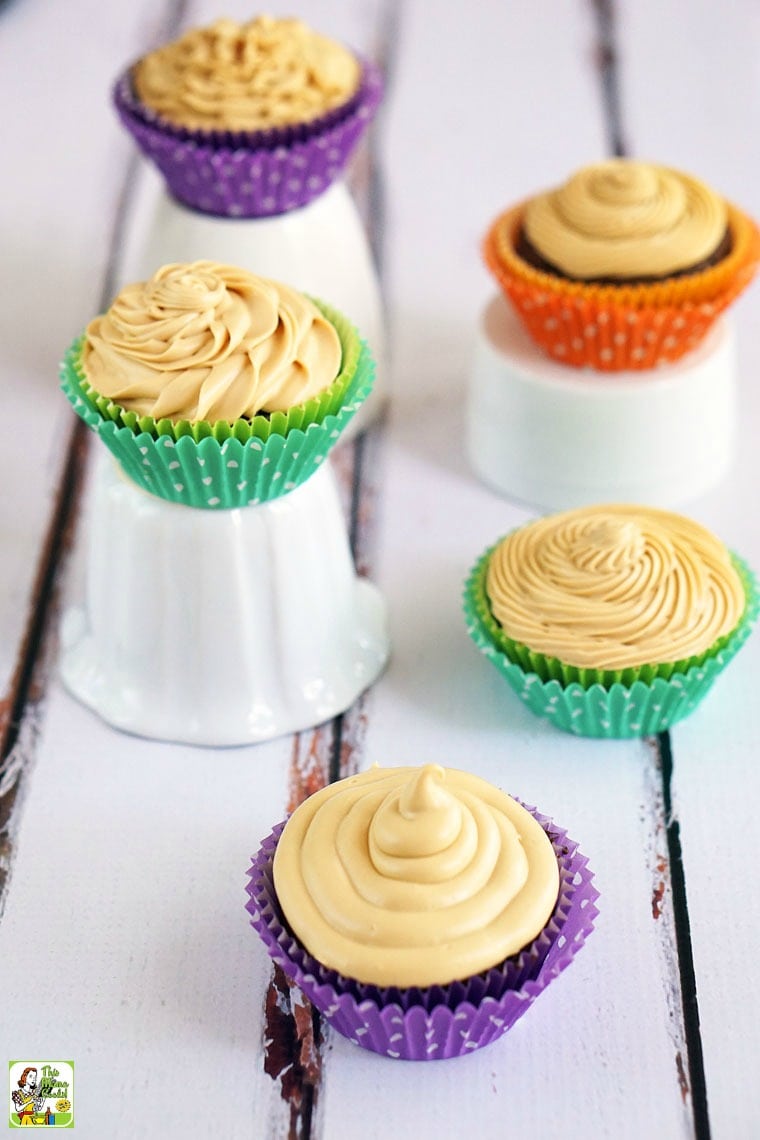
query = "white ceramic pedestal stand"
{"x": 320, "y": 249}
{"x": 220, "y": 627}
{"x": 558, "y": 437}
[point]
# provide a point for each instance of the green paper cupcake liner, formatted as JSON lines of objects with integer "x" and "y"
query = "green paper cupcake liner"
{"x": 619, "y": 710}
{"x": 223, "y": 465}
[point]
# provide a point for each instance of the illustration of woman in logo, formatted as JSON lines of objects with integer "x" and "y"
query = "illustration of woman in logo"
{"x": 29, "y": 1098}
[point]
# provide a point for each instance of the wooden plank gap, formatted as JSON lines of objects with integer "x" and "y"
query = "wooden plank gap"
{"x": 293, "y": 1051}
{"x": 690, "y": 1005}
{"x": 334, "y": 750}
{"x": 607, "y": 59}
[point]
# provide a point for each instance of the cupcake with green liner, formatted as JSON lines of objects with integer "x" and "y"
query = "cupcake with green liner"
{"x": 610, "y": 621}
{"x": 217, "y": 388}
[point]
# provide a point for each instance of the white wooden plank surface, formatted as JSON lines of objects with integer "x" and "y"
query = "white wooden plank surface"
{"x": 156, "y": 972}
{"x": 64, "y": 162}
{"x": 691, "y": 86}
{"x": 585, "y": 1041}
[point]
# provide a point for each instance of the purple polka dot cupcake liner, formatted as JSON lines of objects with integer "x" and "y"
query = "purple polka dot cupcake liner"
{"x": 254, "y": 174}
{"x": 438, "y": 1022}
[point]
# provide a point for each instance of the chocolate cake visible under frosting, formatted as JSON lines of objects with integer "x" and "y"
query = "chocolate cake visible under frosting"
{"x": 247, "y": 77}
{"x": 625, "y": 221}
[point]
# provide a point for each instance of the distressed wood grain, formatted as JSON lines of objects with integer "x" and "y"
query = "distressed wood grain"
{"x": 156, "y": 971}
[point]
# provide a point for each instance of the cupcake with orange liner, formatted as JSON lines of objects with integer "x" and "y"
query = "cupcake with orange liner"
{"x": 249, "y": 120}
{"x": 625, "y": 266}
{"x": 611, "y": 620}
{"x": 421, "y": 910}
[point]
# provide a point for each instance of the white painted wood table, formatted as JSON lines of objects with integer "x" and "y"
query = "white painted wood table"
{"x": 124, "y": 943}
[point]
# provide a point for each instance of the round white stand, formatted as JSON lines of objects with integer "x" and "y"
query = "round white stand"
{"x": 220, "y": 627}
{"x": 321, "y": 249}
{"x": 558, "y": 437}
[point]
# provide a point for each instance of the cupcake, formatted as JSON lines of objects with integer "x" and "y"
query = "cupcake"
{"x": 610, "y": 620}
{"x": 249, "y": 120}
{"x": 217, "y": 388}
{"x": 421, "y": 910}
{"x": 625, "y": 266}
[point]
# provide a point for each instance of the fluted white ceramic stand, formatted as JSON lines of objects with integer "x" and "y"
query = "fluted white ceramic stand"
{"x": 220, "y": 627}
{"x": 558, "y": 437}
{"x": 321, "y": 249}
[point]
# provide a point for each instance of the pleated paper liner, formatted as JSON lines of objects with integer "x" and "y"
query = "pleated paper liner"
{"x": 251, "y": 174}
{"x": 629, "y": 703}
{"x": 437, "y": 1022}
{"x": 224, "y": 465}
{"x": 614, "y": 328}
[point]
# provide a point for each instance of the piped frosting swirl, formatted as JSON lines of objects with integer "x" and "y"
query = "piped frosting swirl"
{"x": 414, "y": 876}
{"x": 613, "y": 587}
{"x": 210, "y": 342}
{"x": 626, "y": 219}
{"x": 247, "y": 77}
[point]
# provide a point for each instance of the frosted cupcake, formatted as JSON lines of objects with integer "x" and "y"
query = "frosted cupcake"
{"x": 625, "y": 266}
{"x": 217, "y": 388}
{"x": 421, "y": 910}
{"x": 249, "y": 120}
{"x": 611, "y": 620}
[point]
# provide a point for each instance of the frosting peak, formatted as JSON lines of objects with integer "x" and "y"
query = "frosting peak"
{"x": 247, "y": 77}
{"x": 414, "y": 877}
{"x": 204, "y": 341}
{"x": 613, "y": 587}
{"x": 626, "y": 219}
{"x": 611, "y": 544}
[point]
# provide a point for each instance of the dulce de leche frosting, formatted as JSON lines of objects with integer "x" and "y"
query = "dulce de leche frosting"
{"x": 414, "y": 876}
{"x": 626, "y": 219}
{"x": 246, "y": 77}
{"x": 612, "y": 587}
{"x": 210, "y": 342}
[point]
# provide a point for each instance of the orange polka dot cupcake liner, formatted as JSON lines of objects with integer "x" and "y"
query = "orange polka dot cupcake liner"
{"x": 615, "y": 328}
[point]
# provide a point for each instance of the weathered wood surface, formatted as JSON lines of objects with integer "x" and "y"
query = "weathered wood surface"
{"x": 123, "y": 914}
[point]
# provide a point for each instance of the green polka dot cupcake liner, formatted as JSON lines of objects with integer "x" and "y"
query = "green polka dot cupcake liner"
{"x": 641, "y": 706}
{"x": 226, "y": 465}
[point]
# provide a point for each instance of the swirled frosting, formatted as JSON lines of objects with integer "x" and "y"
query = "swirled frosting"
{"x": 612, "y": 587}
{"x": 626, "y": 219}
{"x": 211, "y": 342}
{"x": 246, "y": 77}
{"x": 414, "y": 876}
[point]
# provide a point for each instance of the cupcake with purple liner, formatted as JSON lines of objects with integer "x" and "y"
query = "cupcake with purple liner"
{"x": 216, "y": 388}
{"x": 251, "y": 120}
{"x": 611, "y": 620}
{"x": 421, "y": 910}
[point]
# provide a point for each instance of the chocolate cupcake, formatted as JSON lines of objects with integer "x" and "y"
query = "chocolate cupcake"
{"x": 421, "y": 910}
{"x": 611, "y": 620}
{"x": 217, "y": 388}
{"x": 625, "y": 266}
{"x": 249, "y": 120}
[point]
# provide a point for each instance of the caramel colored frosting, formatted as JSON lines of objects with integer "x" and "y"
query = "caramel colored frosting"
{"x": 210, "y": 342}
{"x": 626, "y": 219}
{"x": 246, "y": 77}
{"x": 612, "y": 587}
{"x": 414, "y": 876}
